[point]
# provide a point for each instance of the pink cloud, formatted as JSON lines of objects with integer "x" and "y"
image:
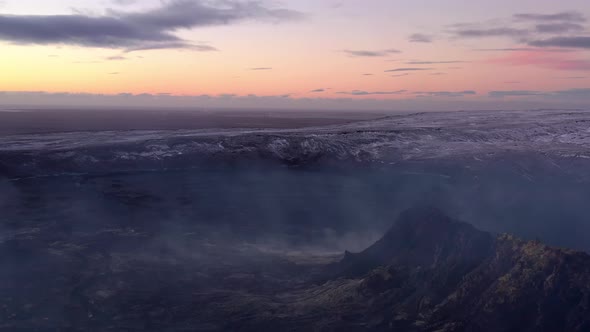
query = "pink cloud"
{"x": 544, "y": 59}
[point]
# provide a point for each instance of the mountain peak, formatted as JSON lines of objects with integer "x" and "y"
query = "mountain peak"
{"x": 431, "y": 272}
{"x": 422, "y": 237}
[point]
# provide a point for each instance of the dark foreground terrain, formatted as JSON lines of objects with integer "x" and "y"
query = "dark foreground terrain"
{"x": 427, "y": 273}
{"x": 169, "y": 228}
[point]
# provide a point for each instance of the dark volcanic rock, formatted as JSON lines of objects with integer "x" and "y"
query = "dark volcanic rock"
{"x": 423, "y": 237}
{"x": 432, "y": 273}
{"x": 429, "y": 273}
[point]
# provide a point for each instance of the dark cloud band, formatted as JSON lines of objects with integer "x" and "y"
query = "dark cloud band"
{"x": 153, "y": 29}
{"x": 370, "y": 54}
{"x": 569, "y": 42}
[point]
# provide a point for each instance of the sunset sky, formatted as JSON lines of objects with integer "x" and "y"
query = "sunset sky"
{"x": 374, "y": 54}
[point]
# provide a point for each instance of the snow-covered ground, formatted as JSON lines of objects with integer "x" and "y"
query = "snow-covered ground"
{"x": 389, "y": 139}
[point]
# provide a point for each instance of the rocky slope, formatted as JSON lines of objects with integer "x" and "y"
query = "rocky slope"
{"x": 432, "y": 273}
{"x": 429, "y": 273}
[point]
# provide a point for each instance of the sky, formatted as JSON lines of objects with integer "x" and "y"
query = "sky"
{"x": 304, "y": 54}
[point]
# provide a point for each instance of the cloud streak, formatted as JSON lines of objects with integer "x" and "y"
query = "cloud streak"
{"x": 577, "y": 93}
{"x": 370, "y": 93}
{"x": 420, "y": 38}
{"x": 513, "y": 93}
{"x": 406, "y": 69}
{"x": 466, "y": 32}
{"x": 563, "y": 16}
{"x": 116, "y": 58}
{"x": 565, "y": 31}
{"x": 522, "y": 49}
{"x": 562, "y": 27}
{"x": 451, "y": 94}
{"x": 569, "y": 42}
{"x": 132, "y": 31}
{"x": 370, "y": 54}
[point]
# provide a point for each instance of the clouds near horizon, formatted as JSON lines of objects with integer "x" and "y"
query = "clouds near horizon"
{"x": 416, "y": 101}
{"x": 386, "y": 51}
